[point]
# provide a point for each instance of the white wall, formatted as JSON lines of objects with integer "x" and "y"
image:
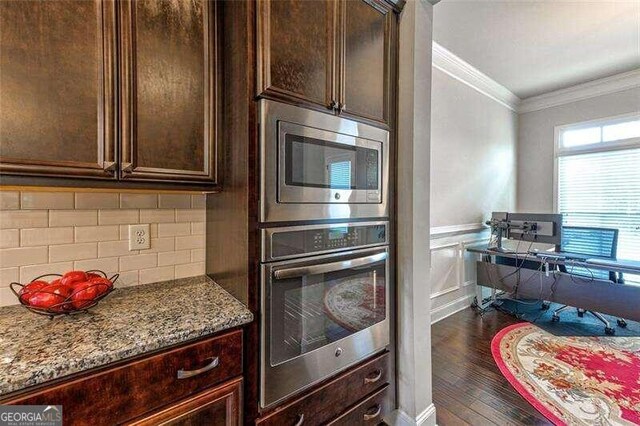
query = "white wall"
{"x": 473, "y": 172}
{"x": 536, "y": 142}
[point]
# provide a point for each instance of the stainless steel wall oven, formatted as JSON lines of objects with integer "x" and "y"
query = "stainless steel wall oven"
{"x": 325, "y": 303}
{"x": 318, "y": 166}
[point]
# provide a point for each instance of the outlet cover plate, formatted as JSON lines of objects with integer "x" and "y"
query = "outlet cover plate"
{"x": 139, "y": 238}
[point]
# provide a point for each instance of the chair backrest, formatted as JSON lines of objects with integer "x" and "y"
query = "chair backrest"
{"x": 591, "y": 242}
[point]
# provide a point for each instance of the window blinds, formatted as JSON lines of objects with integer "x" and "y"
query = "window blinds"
{"x": 602, "y": 189}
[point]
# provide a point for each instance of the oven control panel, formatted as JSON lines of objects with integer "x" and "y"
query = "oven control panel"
{"x": 294, "y": 242}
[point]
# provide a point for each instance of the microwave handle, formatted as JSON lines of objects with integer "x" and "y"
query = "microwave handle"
{"x": 329, "y": 267}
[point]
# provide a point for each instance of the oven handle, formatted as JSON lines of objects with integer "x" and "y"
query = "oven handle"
{"x": 301, "y": 271}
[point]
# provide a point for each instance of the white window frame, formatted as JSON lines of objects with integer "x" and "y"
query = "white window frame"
{"x": 559, "y": 151}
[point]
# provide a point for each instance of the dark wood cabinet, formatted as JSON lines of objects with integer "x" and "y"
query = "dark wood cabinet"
{"x": 219, "y": 406}
{"x": 297, "y": 51}
{"x": 365, "y": 58}
{"x": 169, "y": 90}
{"x": 331, "y": 55}
{"x": 57, "y": 88}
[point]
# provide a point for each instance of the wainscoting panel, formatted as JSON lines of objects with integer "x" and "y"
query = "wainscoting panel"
{"x": 453, "y": 272}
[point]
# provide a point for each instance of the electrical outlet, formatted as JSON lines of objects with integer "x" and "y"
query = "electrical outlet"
{"x": 139, "y": 237}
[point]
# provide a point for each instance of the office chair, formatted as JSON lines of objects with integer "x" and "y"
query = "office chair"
{"x": 590, "y": 242}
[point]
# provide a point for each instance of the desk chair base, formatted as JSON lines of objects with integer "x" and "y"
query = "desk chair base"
{"x": 607, "y": 326}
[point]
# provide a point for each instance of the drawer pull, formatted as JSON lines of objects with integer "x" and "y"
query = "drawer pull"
{"x": 368, "y": 380}
{"x": 300, "y": 420}
{"x": 185, "y": 374}
{"x": 368, "y": 415}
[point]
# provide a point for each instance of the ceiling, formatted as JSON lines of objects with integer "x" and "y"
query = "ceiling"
{"x": 534, "y": 47}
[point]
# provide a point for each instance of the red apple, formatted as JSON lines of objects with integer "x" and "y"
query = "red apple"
{"x": 72, "y": 277}
{"x": 26, "y": 291}
{"x": 102, "y": 285}
{"x": 84, "y": 293}
{"x": 51, "y": 297}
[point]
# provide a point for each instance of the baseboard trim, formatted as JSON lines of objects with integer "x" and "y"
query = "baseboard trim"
{"x": 426, "y": 418}
{"x": 448, "y": 309}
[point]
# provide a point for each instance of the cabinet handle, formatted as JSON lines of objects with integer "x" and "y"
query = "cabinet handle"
{"x": 109, "y": 166}
{"x": 127, "y": 167}
{"x": 368, "y": 415}
{"x": 185, "y": 374}
{"x": 368, "y": 380}
{"x": 333, "y": 105}
{"x": 300, "y": 420}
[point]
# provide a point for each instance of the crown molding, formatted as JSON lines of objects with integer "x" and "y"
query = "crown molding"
{"x": 602, "y": 86}
{"x": 466, "y": 73}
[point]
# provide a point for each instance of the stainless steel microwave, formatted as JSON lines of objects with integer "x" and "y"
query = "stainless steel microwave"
{"x": 317, "y": 166}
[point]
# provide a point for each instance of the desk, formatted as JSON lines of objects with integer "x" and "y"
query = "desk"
{"x": 604, "y": 296}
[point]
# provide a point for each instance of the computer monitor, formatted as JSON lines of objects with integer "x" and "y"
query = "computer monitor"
{"x": 531, "y": 227}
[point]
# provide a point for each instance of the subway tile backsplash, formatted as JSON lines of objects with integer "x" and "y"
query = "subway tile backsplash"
{"x": 53, "y": 232}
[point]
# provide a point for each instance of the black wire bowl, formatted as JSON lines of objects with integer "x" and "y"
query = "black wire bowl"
{"x": 68, "y": 306}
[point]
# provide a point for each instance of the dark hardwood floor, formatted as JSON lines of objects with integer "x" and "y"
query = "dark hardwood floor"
{"x": 468, "y": 388}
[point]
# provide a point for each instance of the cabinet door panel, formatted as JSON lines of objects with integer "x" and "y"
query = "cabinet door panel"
{"x": 169, "y": 90}
{"x": 365, "y": 60}
{"x": 297, "y": 50}
{"x": 56, "y": 75}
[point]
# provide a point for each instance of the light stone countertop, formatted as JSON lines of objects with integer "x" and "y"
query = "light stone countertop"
{"x": 129, "y": 322}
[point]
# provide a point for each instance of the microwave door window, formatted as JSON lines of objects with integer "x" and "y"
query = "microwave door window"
{"x": 310, "y": 312}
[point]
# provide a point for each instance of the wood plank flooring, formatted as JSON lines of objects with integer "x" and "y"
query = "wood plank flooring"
{"x": 468, "y": 388}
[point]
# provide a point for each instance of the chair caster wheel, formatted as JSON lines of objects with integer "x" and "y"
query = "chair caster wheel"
{"x": 609, "y": 331}
{"x": 622, "y": 323}
{"x": 555, "y": 318}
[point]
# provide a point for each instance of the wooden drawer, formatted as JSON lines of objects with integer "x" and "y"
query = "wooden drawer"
{"x": 368, "y": 412}
{"x": 333, "y": 398}
{"x": 130, "y": 390}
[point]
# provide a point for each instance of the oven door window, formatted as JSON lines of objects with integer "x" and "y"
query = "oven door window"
{"x": 316, "y": 163}
{"x": 310, "y": 311}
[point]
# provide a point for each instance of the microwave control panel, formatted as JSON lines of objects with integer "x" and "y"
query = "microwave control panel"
{"x": 330, "y": 238}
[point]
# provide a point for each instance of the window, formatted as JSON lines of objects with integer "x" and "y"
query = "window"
{"x": 598, "y": 179}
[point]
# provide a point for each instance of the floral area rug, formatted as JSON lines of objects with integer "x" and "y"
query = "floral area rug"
{"x": 572, "y": 380}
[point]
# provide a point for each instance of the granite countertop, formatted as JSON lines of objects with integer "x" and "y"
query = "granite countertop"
{"x": 130, "y": 321}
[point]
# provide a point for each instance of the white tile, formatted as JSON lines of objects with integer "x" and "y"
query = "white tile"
{"x": 29, "y": 273}
{"x": 9, "y": 275}
{"x": 174, "y": 201}
{"x": 159, "y": 245}
{"x": 197, "y": 228}
{"x": 23, "y": 219}
{"x": 96, "y": 200}
{"x": 79, "y": 251}
{"x": 9, "y": 238}
{"x": 127, "y": 279}
{"x": 114, "y": 217}
{"x": 173, "y": 229}
{"x": 189, "y": 270}
{"x": 197, "y": 255}
{"x": 7, "y": 298}
{"x": 157, "y": 216}
{"x": 153, "y": 275}
{"x": 190, "y": 215}
{"x": 22, "y": 256}
{"x": 174, "y": 257}
{"x": 9, "y": 200}
{"x": 138, "y": 201}
{"x": 73, "y": 217}
{"x": 45, "y": 236}
{"x": 114, "y": 248}
{"x": 190, "y": 242}
{"x": 46, "y": 200}
{"x": 198, "y": 201}
{"x": 108, "y": 265}
{"x": 97, "y": 233}
{"x": 138, "y": 261}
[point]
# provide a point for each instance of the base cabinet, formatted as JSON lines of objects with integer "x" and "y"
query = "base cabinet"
{"x": 219, "y": 406}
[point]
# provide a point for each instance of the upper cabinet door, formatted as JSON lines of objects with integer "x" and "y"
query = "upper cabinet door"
{"x": 365, "y": 59}
{"x": 56, "y": 88}
{"x": 297, "y": 51}
{"x": 169, "y": 90}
